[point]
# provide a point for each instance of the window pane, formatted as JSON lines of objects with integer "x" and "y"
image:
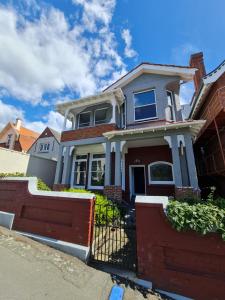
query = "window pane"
{"x": 145, "y": 112}
{"x": 97, "y": 179}
{"x": 97, "y": 165}
{"x": 144, "y": 98}
{"x": 161, "y": 172}
{"x": 169, "y": 98}
{"x": 85, "y": 119}
{"x": 98, "y": 155}
{"x": 81, "y": 157}
{"x": 101, "y": 116}
{"x": 80, "y": 166}
{"x": 80, "y": 178}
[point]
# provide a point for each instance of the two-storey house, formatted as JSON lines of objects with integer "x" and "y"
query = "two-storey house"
{"x": 209, "y": 104}
{"x": 46, "y": 145}
{"x": 131, "y": 138}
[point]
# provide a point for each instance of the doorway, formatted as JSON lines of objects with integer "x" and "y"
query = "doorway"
{"x": 137, "y": 180}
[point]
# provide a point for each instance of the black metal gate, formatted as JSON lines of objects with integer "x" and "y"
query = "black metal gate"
{"x": 114, "y": 237}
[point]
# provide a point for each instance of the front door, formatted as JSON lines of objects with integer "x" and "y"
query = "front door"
{"x": 138, "y": 180}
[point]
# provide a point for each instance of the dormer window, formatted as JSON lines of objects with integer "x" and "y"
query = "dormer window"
{"x": 101, "y": 116}
{"x": 170, "y": 99}
{"x": 84, "y": 119}
{"x": 145, "y": 105}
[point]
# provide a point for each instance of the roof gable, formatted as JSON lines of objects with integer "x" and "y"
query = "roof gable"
{"x": 185, "y": 73}
{"x": 49, "y": 132}
{"x": 7, "y": 128}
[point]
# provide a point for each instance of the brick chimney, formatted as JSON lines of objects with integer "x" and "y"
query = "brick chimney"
{"x": 197, "y": 61}
{"x": 18, "y": 124}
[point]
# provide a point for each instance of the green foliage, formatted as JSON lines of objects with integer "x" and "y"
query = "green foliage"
{"x": 203, "y": 218}
{"x": 40, "y": 184}
{"x": 105, "y": 210}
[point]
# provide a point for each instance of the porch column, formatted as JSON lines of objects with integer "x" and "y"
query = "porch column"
{"x": 58, "y": 171}
{"x": 117, "y": 163}
{"x": 176, "y": 161}
{"x": 66, "y": 167}
{"x": 191, "y": 161}
{"x": 108, "y": 163}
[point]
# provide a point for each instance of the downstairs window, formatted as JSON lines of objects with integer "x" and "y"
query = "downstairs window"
{"x": 160, "y": 173}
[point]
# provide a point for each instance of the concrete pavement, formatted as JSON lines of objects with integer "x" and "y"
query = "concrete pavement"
{"x": 29, "y": 270}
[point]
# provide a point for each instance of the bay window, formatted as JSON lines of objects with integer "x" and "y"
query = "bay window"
{"x": 160, "y": 172}
{"x": 97, "y": 171}
{"x": 101, "y": 116}
{"x": 145, "y": 105}
{"x": 80, "y": 171}
{"x": 84, "y": 119}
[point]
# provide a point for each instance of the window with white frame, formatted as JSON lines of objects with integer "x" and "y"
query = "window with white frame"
{"x": 80, "y": 170}
{"x": 44, "y": 147}
{"x": 97, "y": 171}
{"x": 84, "y": 119}
{"x": 9, "y": 139}
{"x": 160, "y": 172}
{"x": 101, "y": 116}
{"x": 145, "y": 105}
{"x": 170, "y": 99}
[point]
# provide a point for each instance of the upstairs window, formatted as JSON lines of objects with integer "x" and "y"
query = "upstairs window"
{"x": 170, "y": 99}
{"x": 44, "y": 147}
{"x": 145, "y": 105}
{"x": 84, "y": 119}
{"x": 160, "y": 172}
{"x": 101, "y": 116}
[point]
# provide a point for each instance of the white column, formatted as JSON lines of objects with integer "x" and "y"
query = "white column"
{"x": 118, "y": 164}
{"x": 66, "y": 167}
{"x": 113, "y": 119}
{"x": 108, "y": 163}
{"x": 176, "y": 161}
{"x": 191, "y": 162}
{"x": 65, "y": 120}
{"x": 59, "y": 166}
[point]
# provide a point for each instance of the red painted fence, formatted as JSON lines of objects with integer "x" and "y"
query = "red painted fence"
{"x": 58, "y": 217}
{"x": 185, "y": 263}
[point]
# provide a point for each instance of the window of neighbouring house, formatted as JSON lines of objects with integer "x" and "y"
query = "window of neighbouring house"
{"x": 97, "y": 171}
{"x": 9, "y": 139}
{"x": 170, "y": 99}
{"x": 44, "y": 147}
{"x": 101, "y": 116}
{"x": 145, "y": 105}
{"x": 84, "y": 119}
{"x": 80, "y": 171}
{"x": 160, "y": 173}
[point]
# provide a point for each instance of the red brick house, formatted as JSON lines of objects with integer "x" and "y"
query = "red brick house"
{"x": 16, "y": 137}
{"x": 209, "y": 104}
{"x": 131, "y": 138}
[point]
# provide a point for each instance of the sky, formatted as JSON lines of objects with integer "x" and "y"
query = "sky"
{"x": 55, "y": 51}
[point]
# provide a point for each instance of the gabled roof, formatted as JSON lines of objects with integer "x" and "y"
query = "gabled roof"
{"x": 185, "y": 73}
{"x": 56, "y": 134}
{"x": 207, "y": 82}
{"x": 48, "y": 132}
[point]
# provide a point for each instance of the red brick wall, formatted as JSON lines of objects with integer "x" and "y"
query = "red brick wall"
{"x": 67, "y": 219}
{"x": 145, "y": 156}
{"x": 185, "y": 263}
{"x": 85, "y": 133}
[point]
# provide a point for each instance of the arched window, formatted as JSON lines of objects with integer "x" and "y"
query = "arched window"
{"x": 160, "y": 172}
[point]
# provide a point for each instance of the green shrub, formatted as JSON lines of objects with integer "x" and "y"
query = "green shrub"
{"x": 105, "y": 210}
{"x": 40, "y": 184}
{"x": 202, "y": 218}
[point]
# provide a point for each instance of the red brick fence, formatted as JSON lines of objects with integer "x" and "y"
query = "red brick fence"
{"x": 57, "y": 215}
{"x": 185, "y": 263}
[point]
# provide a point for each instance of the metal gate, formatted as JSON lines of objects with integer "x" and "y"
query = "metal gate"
{"x": 114, "y": 237}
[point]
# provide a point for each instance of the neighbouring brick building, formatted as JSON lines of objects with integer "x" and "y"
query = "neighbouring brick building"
{"x": 131, "y": 138}
{"x": 209, "y": 104}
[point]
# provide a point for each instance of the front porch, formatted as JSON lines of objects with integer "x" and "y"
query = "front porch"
{"x": 143, "y": 164}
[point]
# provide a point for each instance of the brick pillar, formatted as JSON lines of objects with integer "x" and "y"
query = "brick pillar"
{"x": 113, "y": 192}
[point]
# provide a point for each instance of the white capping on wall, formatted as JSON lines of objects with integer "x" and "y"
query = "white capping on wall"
{"x": 153, "y": 200}
{"x": 32, "y": 188}
{"x": 6, "y": 219}
{"x": 76, "y": 250}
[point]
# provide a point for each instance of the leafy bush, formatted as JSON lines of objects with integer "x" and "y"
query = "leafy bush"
{"x": 106, "y": 212}
{"x": 203, "y": 218}
{"x": 40, "y": 184}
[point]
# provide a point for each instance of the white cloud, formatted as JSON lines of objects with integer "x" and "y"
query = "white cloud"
{"x": 128, "y": 51}
{"x": 181, "y": 54}
{"x": 186, "y": 92}
{"x": 49, "y": 54}
{"x": 9, "y": 113}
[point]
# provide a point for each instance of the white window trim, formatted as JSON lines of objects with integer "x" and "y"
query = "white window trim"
{"x": 103, "y": 108}
{"x": 160, "y": 182}
{"x": 73, "y": 171}
{"x": 173, "y": 105}
{"x": 141, "y": 92}
{"x": 85, "y": 112}
{"x": 44, "y": 150}
{"x": 94, "y": 187}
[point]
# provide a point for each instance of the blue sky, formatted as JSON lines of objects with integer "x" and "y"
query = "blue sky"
{"x": 52, "y": 51}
